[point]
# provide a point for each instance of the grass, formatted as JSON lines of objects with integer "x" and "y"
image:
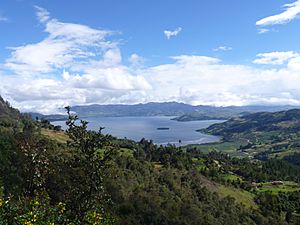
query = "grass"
{"x": 58, "y": 136}
{"x": 282, "y": 154}
{"x": 231, "y": 177}
{"x": 221, "y": 146}
{"x": 200, "y": 165}
{"x": 227, "y": 147}
{"x": 126, "y": 151}
{"x": 244, "y": 197}
{"x": 287, "y": 186}
{"x": 260, "y": 142}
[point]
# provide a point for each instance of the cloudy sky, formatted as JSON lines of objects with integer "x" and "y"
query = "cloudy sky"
{"x": 211, "y": 52}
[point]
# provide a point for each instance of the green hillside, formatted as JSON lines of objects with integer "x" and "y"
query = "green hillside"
{"x": 84, "y": 177}
{"x": 8, "y": 115}
{"x": 284, "y": 121}
{"x": 260, "y": 135}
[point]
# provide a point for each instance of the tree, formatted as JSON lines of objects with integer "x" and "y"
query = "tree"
{"x": 91, "y": 151}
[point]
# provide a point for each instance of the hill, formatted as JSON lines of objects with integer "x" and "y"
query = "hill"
{"x": 118, "y": 110}
{"x": 261, "y": 135}
{"x": 224, "y": 113}
{"x": 85, "y": 177}
{"x": 53, "y": 117}
{"x": 148, "y": 109}
{"x": 8, "y": 115}
{"x": 182, "y": 112}
{"x": 258, "y": 122}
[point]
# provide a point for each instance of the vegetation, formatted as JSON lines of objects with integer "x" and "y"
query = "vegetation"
{"x": 85, "y": 177}
{"x": 258, "y": 122}
{"x": 224, "y": 113}
{"x": 261, "y": 136}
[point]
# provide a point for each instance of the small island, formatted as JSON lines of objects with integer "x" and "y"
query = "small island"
{"x": 163, "y": 128}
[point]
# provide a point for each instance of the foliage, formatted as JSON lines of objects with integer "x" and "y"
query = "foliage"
{"x": 92, "y": 178}
{"x": 47, "y": 182}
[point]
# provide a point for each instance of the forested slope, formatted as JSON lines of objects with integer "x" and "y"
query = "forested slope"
{"x": 91, "y": 178}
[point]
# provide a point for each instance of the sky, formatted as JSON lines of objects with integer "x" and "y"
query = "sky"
{"x": 209, "y": 52}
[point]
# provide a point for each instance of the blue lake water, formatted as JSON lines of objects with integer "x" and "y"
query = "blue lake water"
{"x": 136, "y": 128}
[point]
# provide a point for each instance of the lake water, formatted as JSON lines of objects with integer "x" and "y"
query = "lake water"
{"x": 136, "y": 128}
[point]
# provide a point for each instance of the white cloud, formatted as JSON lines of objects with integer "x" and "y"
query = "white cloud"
{"x": 42, "y": 14}
{"x": 275, "y": 58}
{"x": 115, "y": 78}
{"x": 294, "y": 64}
{"x": 169, "y": 33}
{"x": 222, "y": 48}
{"x": 190, "y": 79}
{"x": 136, "y": 60}
{"x": 76, "y": 64}
{"x": 263, "y": 31}
{"x": 196, "y": 82}
{"x": 291, "y": 12}
{"x": 65, "y": 45}
{"x": 92, "y": 68}
{"x": 195, "y": 60}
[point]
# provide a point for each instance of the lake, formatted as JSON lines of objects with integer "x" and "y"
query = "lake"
{"x": 160, "y": 129}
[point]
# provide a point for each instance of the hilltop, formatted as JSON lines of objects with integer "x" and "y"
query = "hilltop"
{"x": 225, "y": 113}
{"x": 260, "y": 135}
{"x": 258, "y": 122}
{"x": 148, "y": 109}
{"x": 7, "y": 110}
{"x": 8, "y": 115}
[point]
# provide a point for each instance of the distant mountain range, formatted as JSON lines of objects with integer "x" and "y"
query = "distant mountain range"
{"x": 224, "y": 113}
{"x": 181, "y": 111}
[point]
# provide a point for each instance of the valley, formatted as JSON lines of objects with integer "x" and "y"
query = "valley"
{"x": 254, "y": 169}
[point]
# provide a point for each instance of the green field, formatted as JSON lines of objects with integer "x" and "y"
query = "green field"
{"x": 231, "y": 177}
{"x": 287, "y": 186}
{"x": 225, "y": 147}
{"x": 58, "y": 136}
{"x": 283, "y": 154}
{"x": 244, "y": 197}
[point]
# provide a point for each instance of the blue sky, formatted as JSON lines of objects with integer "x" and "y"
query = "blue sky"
{"x": 215, "y": 52}
{"x": 206, "y": 26}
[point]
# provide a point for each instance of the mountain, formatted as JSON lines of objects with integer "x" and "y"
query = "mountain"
{"x": 224, "y": 113}
{"x": 6, "y": 109}
{"x": 8, "y": 115}
{"x": 258, "y": 122}
{"x": 184, "y": 112}
{"x": 263, "y": 135}
{"x": 181, "y": 111}
{"x": 118, "y": 110}
{"x": 54, "y": 117}
{"x": 148, "y": 109}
